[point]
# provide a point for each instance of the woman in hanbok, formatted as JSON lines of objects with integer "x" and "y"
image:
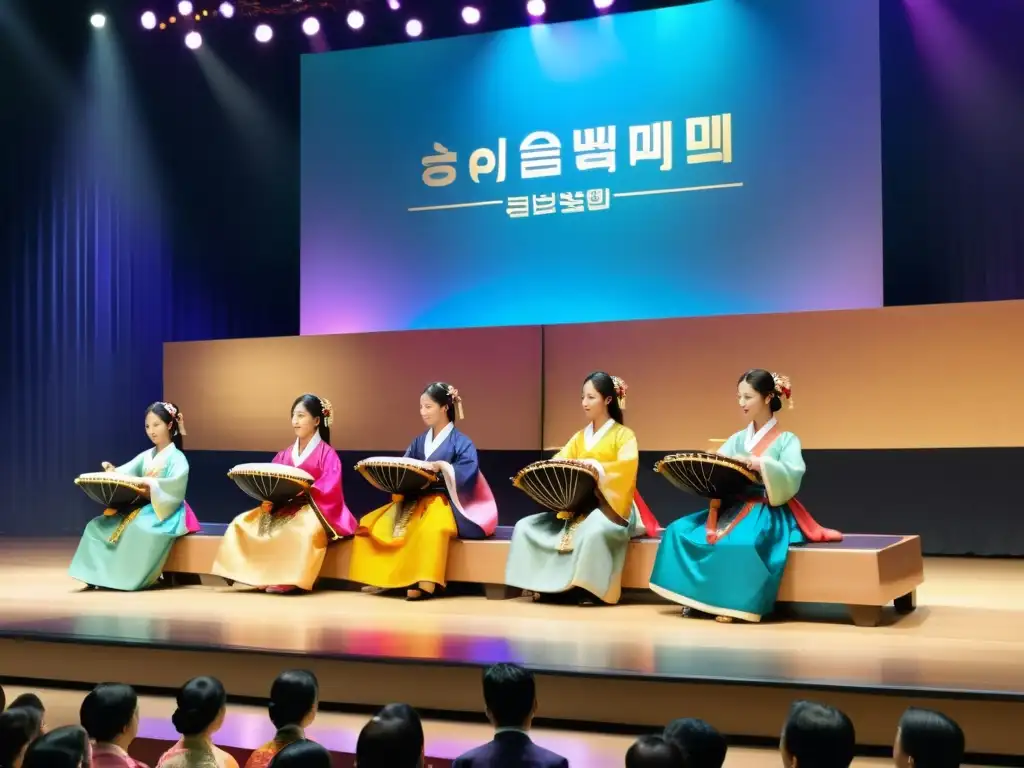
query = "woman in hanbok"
{"x": 127, "y": 550}
{"x": 728, "y": 562}
{"x": 549, "y": 555}
{"x": 202, "y": 705}
{"x": 404, "y": 544}
{"x": 282, "y": 549}
{"x": 293, "y": 704}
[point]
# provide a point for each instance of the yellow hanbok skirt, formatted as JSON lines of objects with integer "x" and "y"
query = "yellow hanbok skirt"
{"x": 403, "y": 543}
{"x": 266, "y": 549}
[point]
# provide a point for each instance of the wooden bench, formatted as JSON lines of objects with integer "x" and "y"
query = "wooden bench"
{"x": 863, "y": 572}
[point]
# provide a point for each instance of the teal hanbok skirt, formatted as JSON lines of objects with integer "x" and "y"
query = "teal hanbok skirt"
{"x": 739, "y": 575}
{"x": 132, "y": 562}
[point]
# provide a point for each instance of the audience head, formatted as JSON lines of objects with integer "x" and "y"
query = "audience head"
{"x": 110, "y": 714}
{"x": 201, "y": 706}
{"x": 817, "y": 736}
{"x": 3, "y": 699}
{"x": 31, "y": 701}
{"x": 67, "y": 747}
{"x": 510, "y": 695}
{"x": 654, "y": 752}
{"x": 302, "y": 754}
{"x": 392, "y": 739}
{"x": 293, "y": 698}
{"x": 927, "y": 739}
{"x": 19, "y": 727}
{"x": 703, "y": 746}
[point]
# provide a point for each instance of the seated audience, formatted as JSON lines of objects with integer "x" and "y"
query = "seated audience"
{"x": 19, "y": 727}
{"x": 702, "y": 745}
{"x": 202, "y": 704}
{"x": 510, "y": 696}
{"x": 293, "y": 703}
{"x": 655, "y": 752}
{"x": 31, "y": 701}
{"x": 302, "y": 754}
{"x": 3, "y": 699}
{"x": 927, "y": 739}
{"x": 392, "y": 739}
{"x": 817, "y": 736}
{"x": 66, "y": 747}
{"x": 110, "y": 715}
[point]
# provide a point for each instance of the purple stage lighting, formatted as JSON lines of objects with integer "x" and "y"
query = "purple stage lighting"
{"x": 310, "y": 26}
{"x": 471, "y": 15}
{"x": 355, "y": 19}
{"x": 536, "y": 8}
{"x": 227, "y": 10}
{"x": 149, "y": 20}
{"x": 414, "y": 28}
{"x": 185, "y": 7}
{"x": 264, "y": 34}
{"x": 603, "y": 4}
{"x": 394, "y": 5}
{"x": 193, "y": 40}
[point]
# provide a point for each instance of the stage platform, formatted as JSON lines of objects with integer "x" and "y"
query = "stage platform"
{"x": 637, "y": 665}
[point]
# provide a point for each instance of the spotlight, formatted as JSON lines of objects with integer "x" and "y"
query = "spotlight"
{"x": 414, "y": 28}
{"x": 536, "y": 8}
{"x": 471, "y": 15}
{"x": 394, "y": 5}
{"x": 185, "y": 7}
{"x": 310, "y": 26}
{"x": 227, "y": 10}
{"x": 603, "y": 4}
{"x": 264, "y": 33}
{"x": 193, "y": 40}
{"x": 149, "y": 20}
{"x": 98, "y": 20}
{"x": 355, "y": 19}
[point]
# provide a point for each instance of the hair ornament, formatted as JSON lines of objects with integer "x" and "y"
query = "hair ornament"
{"x": 177, "y": 416}
{"x": 783, "y": 387}
{"x": 456, "y": 398}
{"x": 328, "y": 411}
{"x": 621, "y": 388}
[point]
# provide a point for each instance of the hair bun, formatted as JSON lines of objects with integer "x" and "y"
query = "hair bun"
{"x": 187, "y": 721}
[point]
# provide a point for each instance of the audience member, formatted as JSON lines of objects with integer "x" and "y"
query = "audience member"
{"x": 19, "y": 727}
{"x": 293, "y": 703}
{"x": 3, "y": 699}
{"x": 392, "y": 739}
{"x": 31, "y": 701}
{"x": 701, "y": 744}
{"x": 110, "y": 715}
{"x": 817, "y": 736}
{"x": 927, "y": 739}
{"x": 202, "y": 704}
{"x": 66, "y": 747}
{"x": 302, "y": 754}
{"x": 510, "y": 696}
{"x": 655, "y": 752}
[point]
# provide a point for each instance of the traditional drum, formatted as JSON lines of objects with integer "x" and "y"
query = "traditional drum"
{"x": 113, "y": 490}
{"x": 709, "y": 475}
{"x": 396, "y": 474}
{"x": 276, "y": 483}
{"x": 564, "y": 486}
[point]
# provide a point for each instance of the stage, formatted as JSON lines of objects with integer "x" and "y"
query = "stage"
{"x": 635, "y": 665}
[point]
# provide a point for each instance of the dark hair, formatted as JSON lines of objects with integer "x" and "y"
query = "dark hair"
{"x": 3, "y": 699}
{"x": 29, "y": 701}
{"x": 704, "y": 746}
{"x": 605, "y": 387}
{"x": 200, "y": 702}
{"x": 108, "y": 710}
{"x": 438, "y": 392}
{"x": 509, "y": 693}
{"x": 292, "y": 696}
{"x": 392, "y": 739}
{"x": 314, "y": 407}
{"x": 302, "y": 754}
{"x": 931, "y": 738}
{"x": 66, "y": 747}
{"x": 819, "y": 736}
{"x": 762, "y": 382}
{"x": 654, "y": 752}
{"x": 19, "y": 727}
{"x": 160, "y": 409}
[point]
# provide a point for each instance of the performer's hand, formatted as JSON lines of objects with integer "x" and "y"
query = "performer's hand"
{"x": 267, "y": 506}
{"x": 108, "y": 467}
{"x": 145, "y": 491}
{"x": 754, "y": 463}
{"x": 433, "y": 466}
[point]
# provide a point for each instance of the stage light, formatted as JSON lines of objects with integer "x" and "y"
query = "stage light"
{"x": 355, "y": 19}
{"x": 310, "y": 26}
{"x": 471, "y": 15}
{"x": 227, "y": 10}
{"x": 264, "y": 34}
{"x": 603, "y": 4}
{"x": 193, "y": 40}
{"x": 98, "y": 20}
{"x": 414, "y": 28}
{"x": 394, "y": 5}
{"x": 536, "y": 8}
{"x": 185, "y": 7}
{"x": 149, "y": 20}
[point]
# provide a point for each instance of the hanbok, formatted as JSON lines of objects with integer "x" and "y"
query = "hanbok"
{"x": 287, "y": 546}
{"x": 550, "y": 555}
{"x": 127, "y": 550}
{"x": 728, "y": 561}
{"x": 406, "y": 541}
{"x": 262, "y": 757}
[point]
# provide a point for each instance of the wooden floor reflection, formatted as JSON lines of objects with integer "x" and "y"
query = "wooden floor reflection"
{"x": 964, "y": 638}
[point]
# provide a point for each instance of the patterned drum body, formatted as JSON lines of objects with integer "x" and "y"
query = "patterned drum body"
{"x": 709, "y": 475}
{"x": 276, "y": 483}
{"x": 113, "y": 490}
{"x": 560, "y": 485}
{"x": 397, "y": 475}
